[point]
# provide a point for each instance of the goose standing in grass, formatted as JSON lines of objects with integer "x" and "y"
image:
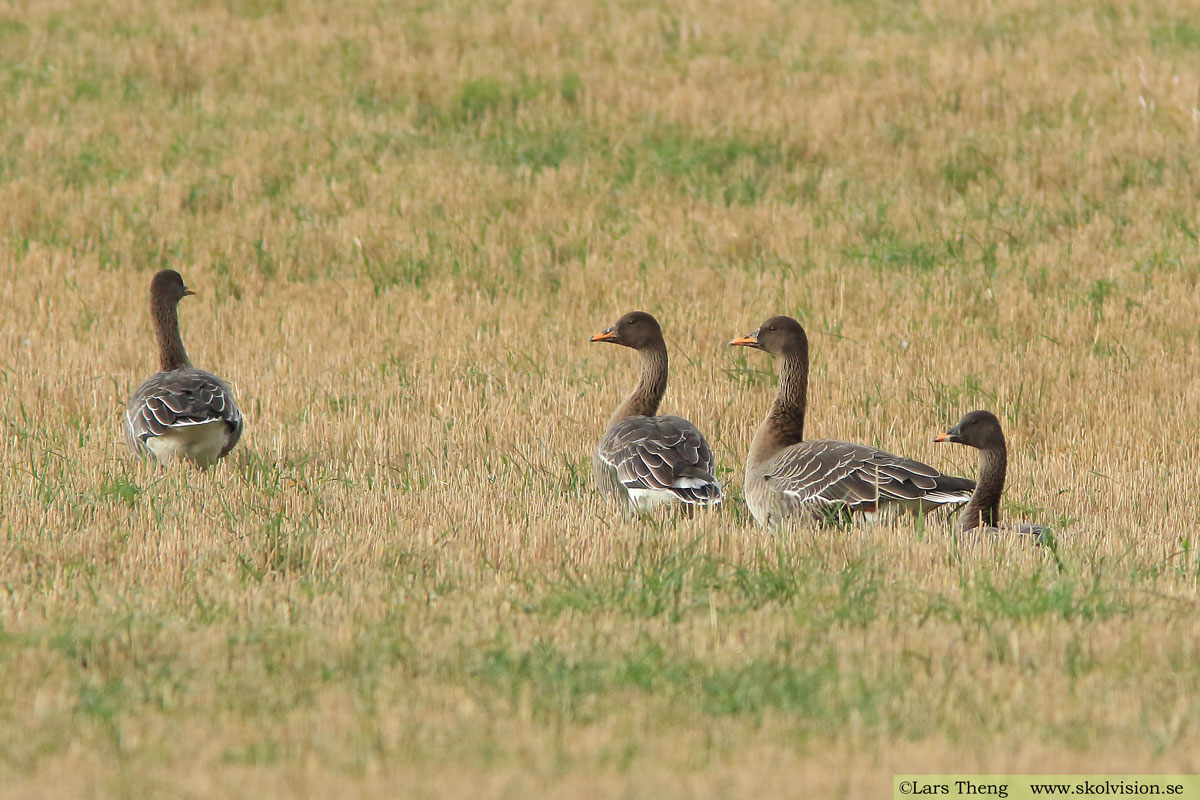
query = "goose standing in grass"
{"x": 981, "y": 430}
{"x": 822, "y": 479}
{"x": 645, "y": 461}
{"x": 180, "y": 411}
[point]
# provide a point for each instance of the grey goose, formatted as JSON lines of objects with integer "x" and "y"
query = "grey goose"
{"x": 981, "y": 430}
{"x": 643, "y": 460}
{"x": 787, "y": 476}
{"x": 180, "y": 411}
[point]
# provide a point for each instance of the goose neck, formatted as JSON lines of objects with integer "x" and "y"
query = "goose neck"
{"x": 984, "y": 508}
{"x": 171, "y": 353}
{"x": 784, "y": 425}
{"x": 651, "y": 385}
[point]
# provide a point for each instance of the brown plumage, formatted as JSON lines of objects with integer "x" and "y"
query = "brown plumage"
{"x": 981, "y": 430}
{"x": 643, "y": 460}
{"x": 180, "y": 411}
{"x": 787, "y": 476}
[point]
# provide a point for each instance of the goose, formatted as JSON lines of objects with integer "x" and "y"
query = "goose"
{"x": 787, "y": 476}
{"x": 645, "y": 461}
{"x": 981, "y": 430}
{"x": 180, "y": 411}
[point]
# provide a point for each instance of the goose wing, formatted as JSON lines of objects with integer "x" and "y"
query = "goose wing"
{"x": 666, "y": 454}
{"x": 179, "y": 399}
{"x": 827, "y": 473}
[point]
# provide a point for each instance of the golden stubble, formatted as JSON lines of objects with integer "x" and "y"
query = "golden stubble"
{"x": 980, "y": 205}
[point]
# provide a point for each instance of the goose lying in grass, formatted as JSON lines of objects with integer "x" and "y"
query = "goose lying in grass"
{"x": 981, "y": 430}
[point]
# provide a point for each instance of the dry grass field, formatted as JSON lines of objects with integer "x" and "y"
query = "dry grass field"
{"x": 405, "y": 220}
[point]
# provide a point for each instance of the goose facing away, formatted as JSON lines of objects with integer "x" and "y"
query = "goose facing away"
{"x": 787, "y": 476}
{"x": 981, "y": 430}
{"x": 645, "y": 461}
{"x": 180, "y": 411}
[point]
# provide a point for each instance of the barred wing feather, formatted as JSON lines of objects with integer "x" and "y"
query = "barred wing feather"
{"x": 826, "y": 473}
{"x": 171, "y": 402}
{"x": 661, "y": 455}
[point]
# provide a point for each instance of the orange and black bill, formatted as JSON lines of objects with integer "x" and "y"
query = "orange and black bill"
{"x": 949, "y": 436}
{"x": 749, "y": 340}
{"x": 606, "y": 335}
